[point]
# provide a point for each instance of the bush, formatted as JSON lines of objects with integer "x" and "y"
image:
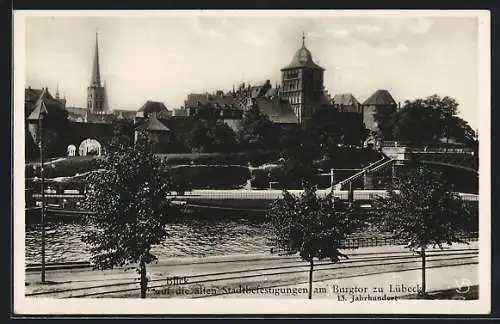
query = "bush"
{"x": 210, "y": 176}
{"x": 63, "y": 167}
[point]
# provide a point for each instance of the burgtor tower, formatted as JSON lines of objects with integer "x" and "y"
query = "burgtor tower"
{"x": 302, "y": 84}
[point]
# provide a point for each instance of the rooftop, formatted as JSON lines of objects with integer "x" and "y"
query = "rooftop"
{"x": 380, "y": 97}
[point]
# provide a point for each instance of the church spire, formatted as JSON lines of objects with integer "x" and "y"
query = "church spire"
{"x": 303, "y": 40}
{"x": 96, "y": 73}
{"x": 57, "y": 91}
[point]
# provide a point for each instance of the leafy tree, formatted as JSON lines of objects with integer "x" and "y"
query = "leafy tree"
{"x": 222, "y": 137}
{"x": 128, "y": 201}
{"x": 417, "y": 124}
{"x": 123, "y": 134}
{"x": 211, "y": 136}
{"x": 312, "y": 226}
{"x": 256, "y": 130}
{"x": 329, "y": 127}
{"x": 198, "y": 139}
{"x": 385, "y": 118}
{"x": 423, "y": 210}
{"x": 298, "y": 166}
{"x": 426, "y": 121}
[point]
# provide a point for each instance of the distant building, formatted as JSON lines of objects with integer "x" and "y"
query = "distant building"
{"x": 277, "y": 109}
{"x": 302, "y": 84}
{"x": 96, "y": 93}
{"x": 378, "y": 101}
{"x": 55, "y": 123}
{"x": 346, "y": 102}
{"x": 97, "y": 109}
{"x": 217, "y": 105}
{"x": 153, "y": 108}
{"x": 157, "y": 134}
{"x": 180, "y": 112}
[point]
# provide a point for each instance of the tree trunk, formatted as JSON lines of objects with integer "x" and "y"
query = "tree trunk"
{"x": 311, "y": 266}
{"x": 423, "y": 272}
{"x": 144, "y": 280}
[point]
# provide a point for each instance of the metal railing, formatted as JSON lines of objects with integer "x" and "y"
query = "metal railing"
{"x": 360, "y": 173}
{"x": 361, "y": 242}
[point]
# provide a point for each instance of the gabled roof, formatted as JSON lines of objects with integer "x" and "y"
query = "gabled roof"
{"x": 152, "y": 124}
{"x": 153, "y": 106}
{"x": 40, "y": 110}
{"x": 33, "y": 99}
{"x": 278, "y": 110}
{"x": 380, "y": 97}
{"x": 197, "y": 99}
{"x": 345, "y": 99}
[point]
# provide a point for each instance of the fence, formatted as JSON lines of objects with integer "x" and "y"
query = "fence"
{"x": 361, "y": 242}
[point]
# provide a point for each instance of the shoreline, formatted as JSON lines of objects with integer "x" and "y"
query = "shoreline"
{"x": 386, "y": 250}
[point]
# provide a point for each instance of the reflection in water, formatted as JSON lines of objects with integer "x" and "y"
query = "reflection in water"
{"x": 187, "y": 237}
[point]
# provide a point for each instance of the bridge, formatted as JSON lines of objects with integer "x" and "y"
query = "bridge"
{"x": 237, "y": 200}
{"x": 459, "y": 164}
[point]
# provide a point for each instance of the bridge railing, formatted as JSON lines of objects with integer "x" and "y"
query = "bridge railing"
{"x": 360, "y": 173}
{"x": 442, "y": 150}
{"x": 384, "y": 240}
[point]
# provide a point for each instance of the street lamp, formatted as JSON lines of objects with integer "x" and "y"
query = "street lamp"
{"x": 35, "y": 126}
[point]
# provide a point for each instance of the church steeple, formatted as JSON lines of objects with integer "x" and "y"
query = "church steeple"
{"x": 57, "y": 91}
{"x": 96, "y": 94}
{"x": 96, "y": 73}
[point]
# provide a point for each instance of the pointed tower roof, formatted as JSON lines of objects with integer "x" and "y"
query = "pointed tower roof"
{"x": 152, "y": 124}
{"x": 380, "y": 97}
{"x": 96, "y": 73}
{"x": 346, "y": 99}
{"x": 303, "y": 58}
{"x": 40, "y": 110}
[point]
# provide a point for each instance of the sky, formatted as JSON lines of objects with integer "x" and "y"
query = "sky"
{"x": 163, "y": 58}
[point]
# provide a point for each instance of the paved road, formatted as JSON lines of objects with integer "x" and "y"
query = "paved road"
{"x": 219, "y": 276}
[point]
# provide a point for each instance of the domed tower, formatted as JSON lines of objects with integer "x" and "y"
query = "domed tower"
{"x": 95, "y": 91}
{"x": 302, "y": 83}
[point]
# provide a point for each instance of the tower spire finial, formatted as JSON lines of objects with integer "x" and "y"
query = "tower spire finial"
{"x": 303, "y": 39}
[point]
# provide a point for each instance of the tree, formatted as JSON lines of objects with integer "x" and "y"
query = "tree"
{"x": 129, "y": 208}
{"x": 222, "y": 137}
{"x": 256, "y": 130}
{"x": 385, "y": 118}
{"x": 211, "y": 135}
{"x": 198, "y": 140}
{"x": 298, "y": 166}
{"x": 329, "y": 127}
{"x": 426, "y": 121}
{"x": 312, "y": 226}
{"x": 123, "y": 134}
{"x": 423, "y": 210}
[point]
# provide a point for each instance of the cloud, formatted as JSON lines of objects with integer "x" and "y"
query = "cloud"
{"x": 421, "y": 26}
{"x": 314, "y": 35}
{"x": 391, "y": 50}
{"x": 214, "y": 34}
{"x": 339, "y": 33}
{"x": 369, "y": 29}
{"x": 252, "y": 38}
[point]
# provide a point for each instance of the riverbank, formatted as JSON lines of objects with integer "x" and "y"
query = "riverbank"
{"x": 221, "y": 276}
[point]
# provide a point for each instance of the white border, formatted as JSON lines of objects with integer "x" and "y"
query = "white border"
{"x": 23, "y": 305}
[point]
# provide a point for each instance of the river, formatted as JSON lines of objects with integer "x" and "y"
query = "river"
{"x": 189, "y": 237}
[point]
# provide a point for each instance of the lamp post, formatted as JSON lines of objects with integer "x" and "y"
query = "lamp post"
{"x": 35, "y": 124}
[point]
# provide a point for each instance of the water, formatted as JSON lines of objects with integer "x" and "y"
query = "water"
{"x": 188, "y": 237}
